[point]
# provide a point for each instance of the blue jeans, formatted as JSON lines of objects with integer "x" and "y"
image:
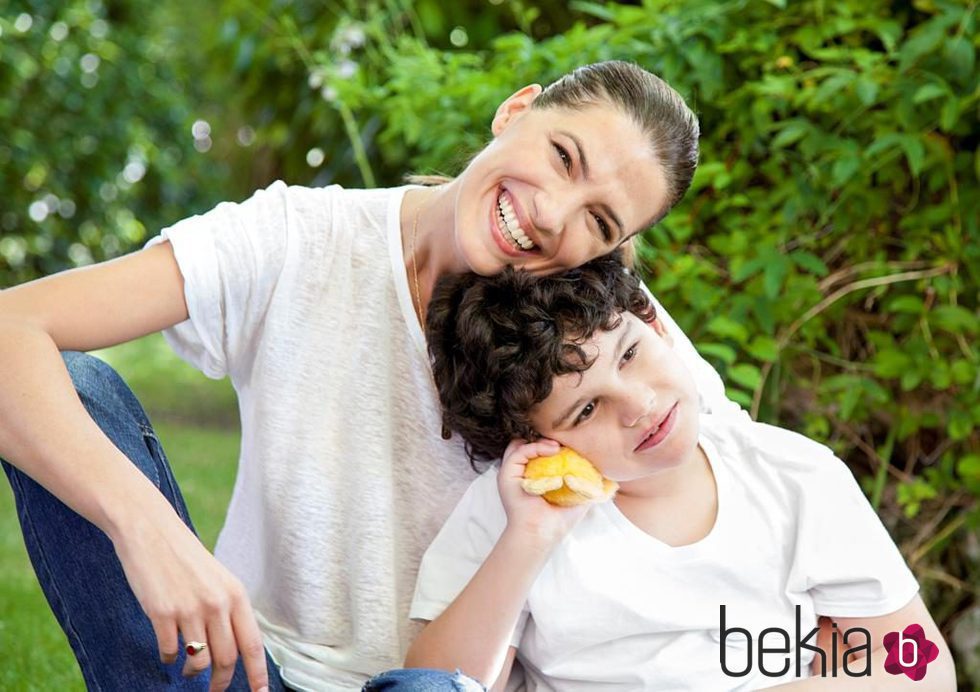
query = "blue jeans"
{"x": 422, "y": 680}
{"x": 82, "y": 578}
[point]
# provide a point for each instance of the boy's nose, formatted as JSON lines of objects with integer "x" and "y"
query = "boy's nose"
{"x": 639, "y": 408}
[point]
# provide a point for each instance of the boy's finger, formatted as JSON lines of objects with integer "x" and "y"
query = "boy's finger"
{"x": 515, "y": 462}
{"x": 541, "y": 448}
{"x": 514, "y": 445}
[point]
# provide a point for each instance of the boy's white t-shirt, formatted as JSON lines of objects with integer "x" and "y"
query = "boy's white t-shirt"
{"x": 616, "y": 609}
{"x": 300, "y": 296}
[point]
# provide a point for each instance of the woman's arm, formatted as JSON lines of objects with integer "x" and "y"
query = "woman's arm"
{"x": 46, "y": 432}
{"x": 474, "y": 633}
{"x": 940, "y": 673}
{"x": 41, "y": 418}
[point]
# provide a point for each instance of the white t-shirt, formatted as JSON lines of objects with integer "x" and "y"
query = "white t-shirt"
{"x": 300, "y": 296}
{"x": 616, "y": 609}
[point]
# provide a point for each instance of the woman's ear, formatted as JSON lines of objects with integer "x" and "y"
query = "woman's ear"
{"x": 514, "y": 106}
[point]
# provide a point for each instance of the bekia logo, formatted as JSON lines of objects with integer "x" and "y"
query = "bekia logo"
{"x": 909, "y": 652}
{"x": 777, "y": 645}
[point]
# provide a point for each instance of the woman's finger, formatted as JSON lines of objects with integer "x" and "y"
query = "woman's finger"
{"x": 249, "y": 639}
{"x": 223, "y": 650}
{"x": 197, "y": 649}
{"x": 165, "y": 629}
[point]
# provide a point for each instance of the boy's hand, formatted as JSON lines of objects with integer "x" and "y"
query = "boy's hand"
{"x": 529, "y": 514}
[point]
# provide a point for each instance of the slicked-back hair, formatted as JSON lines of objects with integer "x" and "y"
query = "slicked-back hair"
{"x": 498, "y": 342}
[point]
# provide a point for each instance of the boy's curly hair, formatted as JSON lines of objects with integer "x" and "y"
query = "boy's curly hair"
{"x": 498, "y": 342}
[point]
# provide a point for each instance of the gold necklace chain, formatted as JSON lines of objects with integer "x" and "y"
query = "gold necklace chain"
{"x": 415, "y": 265}
{"x": 446, "y": 433}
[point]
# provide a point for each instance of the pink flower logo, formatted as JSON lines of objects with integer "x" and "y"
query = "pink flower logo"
{"x": 909, "y": 652}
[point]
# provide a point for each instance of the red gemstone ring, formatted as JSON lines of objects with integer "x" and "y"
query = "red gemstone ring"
{"x": 194, "y": 648}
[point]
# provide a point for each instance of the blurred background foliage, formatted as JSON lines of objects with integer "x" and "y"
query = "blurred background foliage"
{"x": 826, "y": 260}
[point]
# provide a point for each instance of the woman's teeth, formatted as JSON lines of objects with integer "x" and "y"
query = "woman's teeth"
{"x": 509, "y": 223}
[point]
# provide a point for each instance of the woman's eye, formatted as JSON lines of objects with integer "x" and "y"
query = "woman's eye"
{"x": 566, "y": 160}
{"x": 630, "y": 353}
{"x": 587, "y": 411}
{"x": 603, "y": 227}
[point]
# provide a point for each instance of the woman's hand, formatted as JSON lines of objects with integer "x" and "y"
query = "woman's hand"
{"x": 184, "y": 589}
{"x": 528, "y": 514}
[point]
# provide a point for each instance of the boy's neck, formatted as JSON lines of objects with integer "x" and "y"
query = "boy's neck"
{"x": 688, "y": 490}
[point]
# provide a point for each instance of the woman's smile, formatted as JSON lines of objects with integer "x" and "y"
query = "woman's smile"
{"x": 510, "y": 222}
{"x": 507, "y": 228}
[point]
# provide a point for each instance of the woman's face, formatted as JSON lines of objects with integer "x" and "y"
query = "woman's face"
{"x": 555, "y": 188}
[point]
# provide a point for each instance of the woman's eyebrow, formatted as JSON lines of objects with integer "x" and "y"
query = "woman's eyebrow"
{"x": 585, "y": 174}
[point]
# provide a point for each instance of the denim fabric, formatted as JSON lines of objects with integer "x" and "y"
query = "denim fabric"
{"x": 422, "y": 680}
{"x": 77, "y": 566}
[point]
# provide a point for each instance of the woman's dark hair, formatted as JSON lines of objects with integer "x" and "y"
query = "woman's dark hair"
{"x": 661, "y": 114}
{"x": 498, "y": 342}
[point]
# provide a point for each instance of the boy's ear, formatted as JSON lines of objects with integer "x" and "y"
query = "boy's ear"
{"x": 661, "y": 329}
{"x": 513, "y": 107}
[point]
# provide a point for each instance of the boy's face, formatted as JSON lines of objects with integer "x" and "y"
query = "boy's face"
{"x": 634, "y": 413}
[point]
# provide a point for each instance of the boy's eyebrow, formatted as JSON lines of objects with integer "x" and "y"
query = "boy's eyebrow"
{"x": 585, "y": 173}
{"x": 568, "y": 412}
{"x": 578, "y": 402}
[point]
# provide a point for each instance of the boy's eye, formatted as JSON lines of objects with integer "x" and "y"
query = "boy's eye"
{"x": 630, "y": 353}
{"x": 603, "y": 228}
{"x": 566, "y": 160}
{"x": 587, "y": 411}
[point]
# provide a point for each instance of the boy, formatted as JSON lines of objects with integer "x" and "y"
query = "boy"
{"x": 708, "y": 571}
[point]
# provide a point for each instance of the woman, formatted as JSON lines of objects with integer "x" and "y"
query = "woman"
{"x": 310, "y": 300}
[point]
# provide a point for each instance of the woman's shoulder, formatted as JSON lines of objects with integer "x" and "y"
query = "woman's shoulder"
{"x": 302, "y": 201}
{"x": 355, "y": 198}
{"x": 348, "y": 215}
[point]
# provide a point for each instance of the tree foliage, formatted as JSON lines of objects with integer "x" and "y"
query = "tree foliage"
{"x": 97, "y": 142}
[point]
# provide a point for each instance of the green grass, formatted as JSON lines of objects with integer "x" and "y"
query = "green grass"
{"x": 196, "y": 419}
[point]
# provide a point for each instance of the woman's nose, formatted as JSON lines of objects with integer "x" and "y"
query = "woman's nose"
{"x": 551, "y": 211}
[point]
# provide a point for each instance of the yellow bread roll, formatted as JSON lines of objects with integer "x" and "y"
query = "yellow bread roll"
{"x": 566, "y": 479}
